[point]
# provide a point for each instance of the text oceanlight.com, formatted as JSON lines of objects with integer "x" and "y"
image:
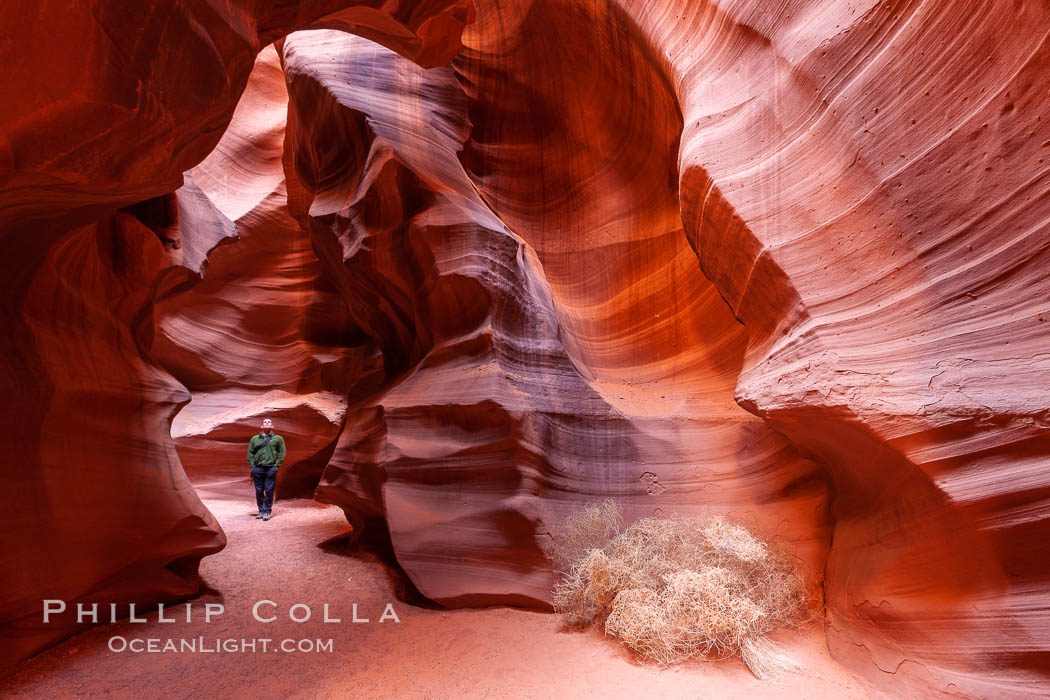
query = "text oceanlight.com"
{"x": 197, "y": 645}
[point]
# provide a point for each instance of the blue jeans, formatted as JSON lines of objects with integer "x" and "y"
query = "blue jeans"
{"x": 264, "y": 478}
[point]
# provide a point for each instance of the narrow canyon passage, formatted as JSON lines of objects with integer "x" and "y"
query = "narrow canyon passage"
{"x": 301, "y": 556}
{"x": 485, "y": 261}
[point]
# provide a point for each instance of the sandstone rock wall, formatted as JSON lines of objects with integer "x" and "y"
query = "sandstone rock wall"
{"x": 263, "y": 334}
{"x": 104, "y": 106}
{"x": 509, "y": 395}
{"x": 785, "y": 261}
{"x": 866, "y": 184}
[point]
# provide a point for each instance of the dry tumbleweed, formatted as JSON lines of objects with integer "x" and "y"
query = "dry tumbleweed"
{"x": 677, "y": 588}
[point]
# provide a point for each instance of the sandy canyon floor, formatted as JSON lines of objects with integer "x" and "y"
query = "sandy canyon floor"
{"x": 302, "y": 556}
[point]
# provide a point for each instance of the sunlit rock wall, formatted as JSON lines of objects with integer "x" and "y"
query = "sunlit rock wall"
{"x": 784, "y": 261}
{"x": 867, "y": 186}
{"x": 509, "y": 396}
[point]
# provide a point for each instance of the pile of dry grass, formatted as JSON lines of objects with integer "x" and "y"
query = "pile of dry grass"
{"x": 677, "y": 588}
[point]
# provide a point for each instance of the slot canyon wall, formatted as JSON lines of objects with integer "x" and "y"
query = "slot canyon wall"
{"x": 105, "y": 106}
{"x": 787, "y": 263}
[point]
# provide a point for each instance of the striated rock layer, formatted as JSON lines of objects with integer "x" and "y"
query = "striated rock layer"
{"x": 136, "y": 93}
{"x": 262, "y": 335}
{"x": 508, "y": 395}
{"x": 867, "y": 188}
{"x": 784, "y": 261}
{"x": 104, "y": 106}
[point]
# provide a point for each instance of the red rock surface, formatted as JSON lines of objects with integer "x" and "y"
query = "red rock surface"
{"x": 869, "y": 193}
{"x": 105, "y": 106}
{"x": 109, "y": 103}
{"x": 781, "y": 262}
{"x": 503, "y": 402}
{"x": 262, "y": 333}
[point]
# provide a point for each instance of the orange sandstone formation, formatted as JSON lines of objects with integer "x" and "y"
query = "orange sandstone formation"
{"x": 107, "y": 103}
{"x": 104, "y": 106}
{"x": 499, "y": 407}
{"x": 263, "y": 333}
{"x": 786, "y": 262}
{"x": 867, "y": 188}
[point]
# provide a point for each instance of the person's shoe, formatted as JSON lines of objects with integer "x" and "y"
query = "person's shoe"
{"x": 266, "y": 516}
{"x": 259, "y": 515}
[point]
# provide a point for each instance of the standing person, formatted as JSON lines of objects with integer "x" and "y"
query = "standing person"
{"x": 265, "y": 453}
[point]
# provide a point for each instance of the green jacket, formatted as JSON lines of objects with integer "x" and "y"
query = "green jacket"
{"x": 269, "y": 455}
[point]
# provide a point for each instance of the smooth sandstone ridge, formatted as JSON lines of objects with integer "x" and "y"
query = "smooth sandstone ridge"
{"x": 783, "y": 263}
{"x": 502, "y": 401}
